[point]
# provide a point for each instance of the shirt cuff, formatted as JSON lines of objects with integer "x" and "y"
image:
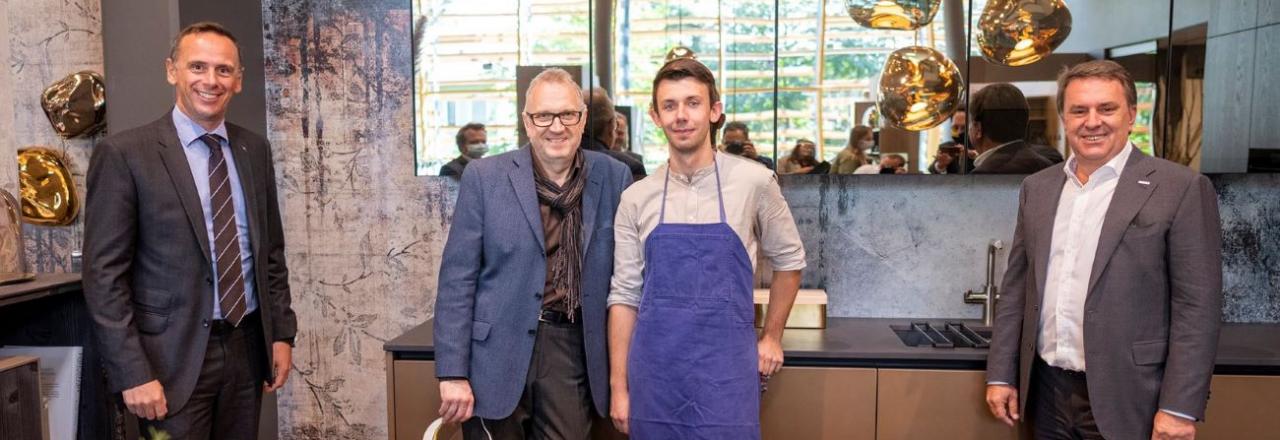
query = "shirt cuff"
{"x": 1178, "y": 414}
{"x": 995, "y": 382}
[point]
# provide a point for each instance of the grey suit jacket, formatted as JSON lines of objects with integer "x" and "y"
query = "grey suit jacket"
{"x": 1154, "y": 301}
{"x": 493, "y": 271}
{"x": 148, "y": 279}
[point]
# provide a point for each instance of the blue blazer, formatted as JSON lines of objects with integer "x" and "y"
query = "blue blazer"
{"x": 493, "y": 271}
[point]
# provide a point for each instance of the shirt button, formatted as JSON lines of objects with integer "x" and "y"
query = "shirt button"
{"x": 532, "y": 331}
{"x": 205, "y": 323}
{"x": 537, "y": 295}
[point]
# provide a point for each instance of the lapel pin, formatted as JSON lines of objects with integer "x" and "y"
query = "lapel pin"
{"x": 1143, "y": 182}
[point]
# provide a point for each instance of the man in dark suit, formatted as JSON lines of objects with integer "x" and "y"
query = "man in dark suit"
{"x": 185, "y": 272}
{"x": 1109, "y": 315}
{"x": 998, "y": 116}
{"x": 472, "y": 140}
{"x": 520, "y": 309}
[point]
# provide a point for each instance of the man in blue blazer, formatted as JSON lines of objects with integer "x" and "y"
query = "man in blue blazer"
{"x": 520, "y": 310}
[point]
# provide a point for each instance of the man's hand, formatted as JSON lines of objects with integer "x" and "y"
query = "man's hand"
{"x": 456, "y": 401}
{"x": 147, "y": 401}
{"x": 281, "y": 362}
{"x": 1171, "y": 427}
{"x": 620, "y": 410}
{"x": 1003, "y": 402}
{"x": 770, "y": 355}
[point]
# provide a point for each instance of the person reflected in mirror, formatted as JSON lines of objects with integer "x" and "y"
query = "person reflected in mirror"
{"x": 893, "y": 163}
{"x": 998, "y": 115}
{"x": 737, "y": 141}
{"x": 520, "y": 306}
{"x": 472, "y": 140}
{"x": 946, "y": 160}
{"x": 622, "y": 138}
{"x": 960, "y": 135}
{"x": 802, "y": 160}
{"x": 602, "y": 128}
{"x": 1108, "y": 318}
{"x": 686, "y": 243}
{"x": 854, "y": 154}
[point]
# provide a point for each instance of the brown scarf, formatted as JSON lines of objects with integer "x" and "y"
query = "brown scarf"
{"x": 566, "y": 266}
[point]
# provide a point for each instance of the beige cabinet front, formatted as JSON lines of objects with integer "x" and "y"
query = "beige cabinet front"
{"x": 917, "y": 404}
{"x": 1242, "y": 407}
{"x": 820, "y": 403}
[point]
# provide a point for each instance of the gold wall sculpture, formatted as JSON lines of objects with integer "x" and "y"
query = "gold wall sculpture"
{"x": 76, "y": 104}
{"x": 47, "y": 188}
{"x": 13, "y": 255}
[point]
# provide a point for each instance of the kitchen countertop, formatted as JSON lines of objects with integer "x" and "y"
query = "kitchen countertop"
{"x": 870, "y": 343}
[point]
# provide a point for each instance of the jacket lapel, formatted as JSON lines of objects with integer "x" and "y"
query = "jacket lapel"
{"x": 1045, "y": 198}
{"x": 590, "y": 203}
{"x": 527, "y": 192}
{"x": 244, "y": 169}
{"x": 1128, "y": 199}
{"x": 175, "y": 163}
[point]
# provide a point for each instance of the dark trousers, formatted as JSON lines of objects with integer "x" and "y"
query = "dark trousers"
{"x": 227, "y": 400}
{"x": 556, "y": 403}
{"x": 1058, "y": 407}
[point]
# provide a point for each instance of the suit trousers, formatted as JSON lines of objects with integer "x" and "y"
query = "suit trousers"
{"x": 1058, "y": 407}
{"x": 556, "y": 403}
{"x": 227, "y": 401}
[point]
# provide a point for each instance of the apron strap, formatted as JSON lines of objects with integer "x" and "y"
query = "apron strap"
{"x": 666, "y": 180}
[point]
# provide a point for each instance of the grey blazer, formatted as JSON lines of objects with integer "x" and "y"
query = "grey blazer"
{"x": 1154, "y": 302}
{"x": 493, "y": 271}
{"x": 148, "y": 279}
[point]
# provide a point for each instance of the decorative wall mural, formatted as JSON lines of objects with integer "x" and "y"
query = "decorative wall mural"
{"x": 1021, "y": 32}
{"x": 919, "y": 88}
{"x": 48, "y": 190}
{"x": 892, "y": 14}
{"x": 76, "y": 104}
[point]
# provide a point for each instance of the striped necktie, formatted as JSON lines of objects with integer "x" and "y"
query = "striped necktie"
{"x": 226, "y": 237}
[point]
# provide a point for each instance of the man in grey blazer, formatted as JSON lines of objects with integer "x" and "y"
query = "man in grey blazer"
{"x": 520, "y": 309}
{"x": 1110, "y": 308}
{"x": 184, "y": 272}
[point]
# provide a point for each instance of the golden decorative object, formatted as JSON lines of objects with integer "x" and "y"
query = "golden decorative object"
{"x": 13, "y": 255}
{"x": 809, "y": 311}
{"x": 1021, "y": 32}
{"x": 678, "y": 52}
{"x": 919, "y": 88}
{"x": 76, "y": 105}
{"x": 892, "y": 14}
{"x": 48, "y": 191}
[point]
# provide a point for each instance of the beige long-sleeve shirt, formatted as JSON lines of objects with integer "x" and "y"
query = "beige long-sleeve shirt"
{"x": 753, "y": 205}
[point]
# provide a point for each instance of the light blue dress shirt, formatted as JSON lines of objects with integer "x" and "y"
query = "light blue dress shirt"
{"x": 189, "y": 134}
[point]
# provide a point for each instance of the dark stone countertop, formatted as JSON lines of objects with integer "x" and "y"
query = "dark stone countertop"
{"x": 870, "y": 343}
{"x": 44, "y": 284}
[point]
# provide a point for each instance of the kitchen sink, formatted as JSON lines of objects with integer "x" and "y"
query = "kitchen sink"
{"x": 946, "y": 335}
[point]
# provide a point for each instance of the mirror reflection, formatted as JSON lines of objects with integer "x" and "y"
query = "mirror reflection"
{"x": 808, "y": 89}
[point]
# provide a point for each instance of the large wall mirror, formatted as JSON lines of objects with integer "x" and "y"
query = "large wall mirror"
{"x": 805, "y": 73}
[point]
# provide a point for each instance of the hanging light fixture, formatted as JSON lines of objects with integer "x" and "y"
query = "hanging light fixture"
{"x": 678, "y": 52}
{"x": 1021, "y": 32}
{"x": 892, "y": 14}
{"x": 919, "y": 88}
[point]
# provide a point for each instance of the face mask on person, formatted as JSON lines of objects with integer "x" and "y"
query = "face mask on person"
{"x": 477, "y": 150}
{"x": 865, "y": 145}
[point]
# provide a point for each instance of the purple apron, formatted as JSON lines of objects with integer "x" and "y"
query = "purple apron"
{"x": 693, "y": 368}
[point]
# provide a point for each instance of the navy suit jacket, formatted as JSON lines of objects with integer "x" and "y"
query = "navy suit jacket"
{"x": 494, "y": 269}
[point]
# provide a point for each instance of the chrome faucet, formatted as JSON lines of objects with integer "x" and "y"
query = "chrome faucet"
{"x": 988, "y": 296}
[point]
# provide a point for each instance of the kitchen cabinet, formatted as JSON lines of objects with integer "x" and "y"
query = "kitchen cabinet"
{"x": 948, "y": 404}
{"x": 1241, "y": 407}
{"x": 820, "y": 403}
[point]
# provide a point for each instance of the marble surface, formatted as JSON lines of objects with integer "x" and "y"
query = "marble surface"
{"x": 1249, "y": 205}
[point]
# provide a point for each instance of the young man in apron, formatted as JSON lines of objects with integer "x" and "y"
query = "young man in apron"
{"x": 685, "y": 360}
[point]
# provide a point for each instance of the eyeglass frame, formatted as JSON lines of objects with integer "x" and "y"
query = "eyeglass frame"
{"x": 556, "y": 117}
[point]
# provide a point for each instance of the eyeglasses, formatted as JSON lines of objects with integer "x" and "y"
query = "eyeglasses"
{"x": 546, "y": 119}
